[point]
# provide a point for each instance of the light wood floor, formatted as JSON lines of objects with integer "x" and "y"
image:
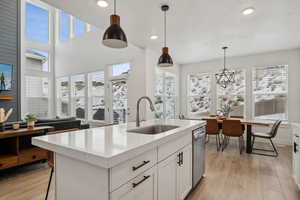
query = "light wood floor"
{"x": 229, "y": 176}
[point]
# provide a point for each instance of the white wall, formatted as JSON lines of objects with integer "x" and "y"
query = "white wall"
{"x": 288, "y": 57}
{"x": 85, "y": 53}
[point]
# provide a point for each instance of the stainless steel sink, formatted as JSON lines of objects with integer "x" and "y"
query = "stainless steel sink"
{"x": 153, "y": 130}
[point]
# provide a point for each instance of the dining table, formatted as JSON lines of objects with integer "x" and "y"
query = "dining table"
{"x": 247, "y": 123}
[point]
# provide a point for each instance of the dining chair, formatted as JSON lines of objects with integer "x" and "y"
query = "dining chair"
{"x": 269, "y": 136}
{"x": 232, "y": 128}
{"x": 50, "y": 159}
{"x": 212, "y": 128}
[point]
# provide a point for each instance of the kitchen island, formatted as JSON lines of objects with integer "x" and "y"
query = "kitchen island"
{"x": 124, "y": 162}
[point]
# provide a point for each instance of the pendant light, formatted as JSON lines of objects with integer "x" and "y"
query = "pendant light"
{"x": 226, "y": 77}
{"x": 165, "y": 59}
{"x": 114, "y": 36}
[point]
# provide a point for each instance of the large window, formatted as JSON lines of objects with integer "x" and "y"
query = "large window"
{"x": 199, "y": 95}
{"x": 37, "y": 95}
{"x": 37, "y": 23}
{"x": 165, "y": 95}
{"x": 233, "y": 97}
{"x": 37, "y": 60}
{"x": 79, "y": 27}
{"x": 78, "y": 95}
{"x": 64, "y": 26}
{"x": 97, "y": 95}
{"x": 63, "y": 97}
{"x": 270, "y": 90}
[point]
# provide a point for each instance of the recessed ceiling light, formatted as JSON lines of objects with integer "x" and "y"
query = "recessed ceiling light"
{"x": 153, "y": 37}
{"x": 248, "y": 11}
{"x": 102, "y": 3}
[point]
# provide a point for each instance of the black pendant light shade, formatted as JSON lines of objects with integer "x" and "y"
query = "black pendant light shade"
{"x": 226, "y": 77}
{"x": 165, "y": 60}
{"x": 114, "y": 36}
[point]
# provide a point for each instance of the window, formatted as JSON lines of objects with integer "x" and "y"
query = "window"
{"x": 233, "y": 97}
{"x": 270, "y": 90}
{"x": 93, "y": 28}
{"x": 120, "y": 69}
{"x": 37, "y": 95}
{"x": 199, "y": 95}
{"x": 119, "y": 92}
{"x": 63, "y": 97}
{"x": 78, "y": 95}
{"x": 37, "y": 60}
{"x": 97, "y": 95}
{"x": 64, "y": 26}
{"x": 79, "y": 27}
{"x": 165, "y": 95}
{"x": 37, "y": 23}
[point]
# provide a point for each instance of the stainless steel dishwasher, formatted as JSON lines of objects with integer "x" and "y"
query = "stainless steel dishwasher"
{"x": 198, "y": 154}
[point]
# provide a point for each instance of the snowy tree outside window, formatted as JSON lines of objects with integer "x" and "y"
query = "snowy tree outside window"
{"x": 165, "y": 95}
{"x": 63, "y": 96}
{"x": 199, "y": 95}
{"x": 233, "y": 95}
{"x": 97, "y": 95}
{"x": 78, "y": 95}
{"x": 270, "y": 90}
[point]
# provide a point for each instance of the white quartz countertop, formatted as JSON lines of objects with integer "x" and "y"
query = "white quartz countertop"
{"x": 111, "y": 145}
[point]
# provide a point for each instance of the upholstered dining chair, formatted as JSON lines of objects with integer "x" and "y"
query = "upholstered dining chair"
{"x": 212, "y": 128}
{"x": 233, "y": 128}
{"x": 269, "y": 136}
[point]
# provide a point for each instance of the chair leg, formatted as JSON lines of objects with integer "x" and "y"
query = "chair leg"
{"x": 241, "y": 144}
{"x": 273, "y": 151}
{"x": 225, "y": 142}
{"x": 274, "y": 147}
{"x": 49, "y": 183}
{"x": 207, "y": 138}
{"x": 217, "y": 142}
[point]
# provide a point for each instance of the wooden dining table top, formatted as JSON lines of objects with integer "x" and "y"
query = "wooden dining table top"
{"x": 243, "y": 121}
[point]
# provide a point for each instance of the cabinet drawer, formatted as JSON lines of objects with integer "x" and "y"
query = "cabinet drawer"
{"x": 143, "y": 187}
{"x": 123, "y": 172}
{"x": 8, "y": 161}
{"x": 171, "y": 147}
{"x": 32, "y": 155}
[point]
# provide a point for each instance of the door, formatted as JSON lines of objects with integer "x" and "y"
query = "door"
{"x": 167, "y": 175}
{"x": 184, "y": 173}
{"x": 142, "y": 187}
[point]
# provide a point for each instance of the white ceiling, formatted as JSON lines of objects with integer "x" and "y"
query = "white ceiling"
{"x": 197, "y": 29}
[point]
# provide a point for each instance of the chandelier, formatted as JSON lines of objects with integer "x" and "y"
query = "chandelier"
{"x": 226, "y": 77}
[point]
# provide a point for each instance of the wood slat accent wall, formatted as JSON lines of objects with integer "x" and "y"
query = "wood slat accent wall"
{"x": 10, "y": 51}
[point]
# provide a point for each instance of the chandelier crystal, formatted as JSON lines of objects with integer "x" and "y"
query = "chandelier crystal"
{"x": 226, "y": 77}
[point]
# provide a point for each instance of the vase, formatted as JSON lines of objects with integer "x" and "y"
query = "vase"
{"x": 30, "y": 124}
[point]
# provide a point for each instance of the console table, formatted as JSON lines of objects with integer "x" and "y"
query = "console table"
{"x": 16, "y": 148}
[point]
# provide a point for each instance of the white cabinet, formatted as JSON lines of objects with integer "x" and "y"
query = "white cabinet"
{"x": 296, "y": 154}
{"x": 167, "y": 175}
{"x": 184, "y": 173}
{"x": 175, "y": 175}
{"x": 143, "y": 187}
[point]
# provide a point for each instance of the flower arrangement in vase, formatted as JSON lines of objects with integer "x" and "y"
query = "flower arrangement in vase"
{"x": 30, "y": 119}
{"x": 4, "y": 117}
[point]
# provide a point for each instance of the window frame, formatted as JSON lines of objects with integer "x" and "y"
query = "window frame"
{"x": 188, "y": 96}
{"x": 287, "y": 92}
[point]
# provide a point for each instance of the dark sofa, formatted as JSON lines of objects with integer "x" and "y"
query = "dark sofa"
{"x": 59, "y": 123}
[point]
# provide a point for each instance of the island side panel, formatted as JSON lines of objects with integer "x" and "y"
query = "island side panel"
{"x": 77, "y": 180}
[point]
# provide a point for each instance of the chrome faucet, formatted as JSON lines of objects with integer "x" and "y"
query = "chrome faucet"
{"x": 138, "y": 108}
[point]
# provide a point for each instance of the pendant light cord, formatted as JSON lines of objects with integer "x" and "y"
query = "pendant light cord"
{"x": 115, "y": 7}
{"x": 224, "y": 58}
{"x": 165, "y": 28}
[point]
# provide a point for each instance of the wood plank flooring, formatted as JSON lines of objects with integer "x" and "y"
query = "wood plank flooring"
{"x": 229, "y": 176}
